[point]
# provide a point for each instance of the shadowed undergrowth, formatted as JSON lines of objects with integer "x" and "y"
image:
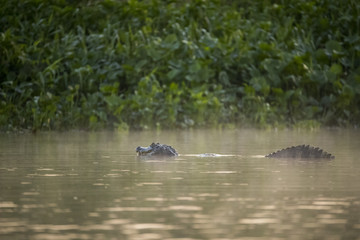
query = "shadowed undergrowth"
{"x": 178, "y": 64}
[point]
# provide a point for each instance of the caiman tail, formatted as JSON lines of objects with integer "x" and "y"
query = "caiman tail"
{"x": 301, "y": 151}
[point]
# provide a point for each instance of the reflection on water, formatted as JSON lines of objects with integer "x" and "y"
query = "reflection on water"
{"x": 92, "y": 186}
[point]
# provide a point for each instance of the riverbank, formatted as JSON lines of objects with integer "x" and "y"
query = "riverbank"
{"x": 156, "y": 65}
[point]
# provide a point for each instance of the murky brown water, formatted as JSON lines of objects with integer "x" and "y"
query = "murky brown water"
{"x": 92, "y": 186}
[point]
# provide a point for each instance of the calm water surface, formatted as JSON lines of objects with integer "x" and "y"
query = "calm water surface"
{"x": 80, "y": 185}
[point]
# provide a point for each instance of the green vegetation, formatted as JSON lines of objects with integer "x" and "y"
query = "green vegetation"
{"x": 178, "y": 64}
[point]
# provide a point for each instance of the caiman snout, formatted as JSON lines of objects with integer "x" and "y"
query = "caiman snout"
{"x": 143, "y": 150}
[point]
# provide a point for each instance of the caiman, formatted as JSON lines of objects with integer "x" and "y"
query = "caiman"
{"x": 157, "y": 149}
{"x": 300, "y": 151}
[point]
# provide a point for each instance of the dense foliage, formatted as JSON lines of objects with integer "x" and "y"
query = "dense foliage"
{"x": 164, "y": 64}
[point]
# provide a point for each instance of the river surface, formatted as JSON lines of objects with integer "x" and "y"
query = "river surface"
{"x": 91, "y": 185}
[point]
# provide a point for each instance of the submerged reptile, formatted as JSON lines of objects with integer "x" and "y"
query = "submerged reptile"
{"x": 157, "y": 149}
{"x": 300, "y": 151}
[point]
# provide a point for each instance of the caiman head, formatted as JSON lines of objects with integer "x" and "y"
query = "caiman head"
{"x": 156, "y": 149}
